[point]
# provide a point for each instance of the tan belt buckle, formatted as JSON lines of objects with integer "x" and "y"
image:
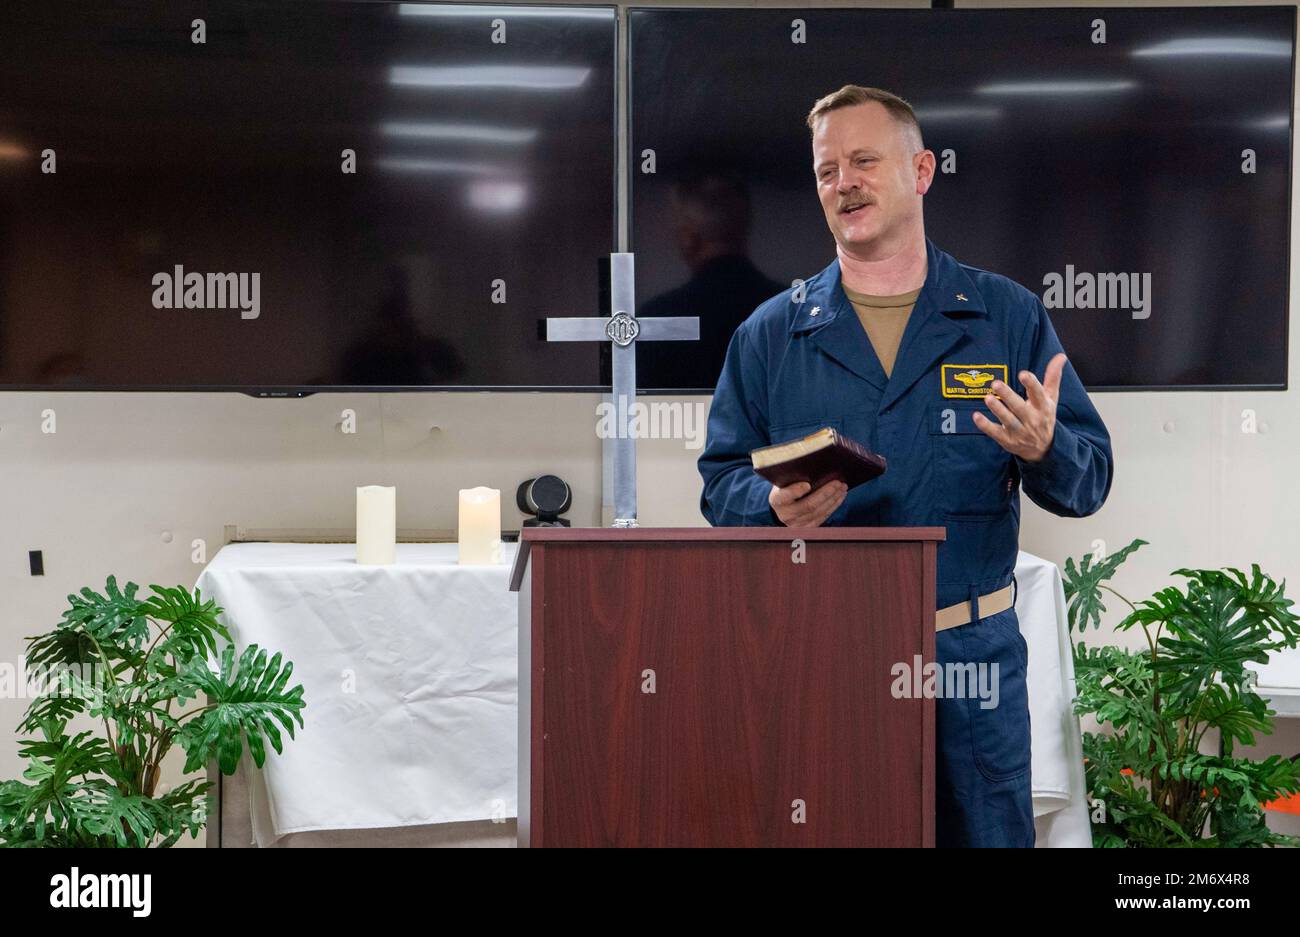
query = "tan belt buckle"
{"x": 960, "y": 614}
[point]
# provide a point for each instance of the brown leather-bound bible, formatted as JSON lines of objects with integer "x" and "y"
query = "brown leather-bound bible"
{"x": 817, "y": 459}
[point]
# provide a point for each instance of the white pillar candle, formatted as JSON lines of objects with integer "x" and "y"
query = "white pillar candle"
{"x": 479, "y": 533}
{"x": 376, "y": 525}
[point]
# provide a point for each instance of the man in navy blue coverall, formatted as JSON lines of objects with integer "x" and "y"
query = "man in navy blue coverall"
{"x": 979, "y": 403}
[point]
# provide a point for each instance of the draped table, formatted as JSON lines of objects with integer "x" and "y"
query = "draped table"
{"x": 410, "y": 681}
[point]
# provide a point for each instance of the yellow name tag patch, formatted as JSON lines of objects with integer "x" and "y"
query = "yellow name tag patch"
{"x": 971, "y": 380}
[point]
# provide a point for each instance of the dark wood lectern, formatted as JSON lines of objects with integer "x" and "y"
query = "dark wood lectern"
{"x": 724, "y": 686}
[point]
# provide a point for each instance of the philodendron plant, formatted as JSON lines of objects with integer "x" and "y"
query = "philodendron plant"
{"x": 127, "y": 663}
{"x": 1150, "y": 780}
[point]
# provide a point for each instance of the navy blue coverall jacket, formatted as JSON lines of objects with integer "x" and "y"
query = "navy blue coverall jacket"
{"x": 794, "y": 367}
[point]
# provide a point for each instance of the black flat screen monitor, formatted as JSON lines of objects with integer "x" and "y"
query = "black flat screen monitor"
{"x": 283, "y": 196}
{"x": 1163, "y": 151}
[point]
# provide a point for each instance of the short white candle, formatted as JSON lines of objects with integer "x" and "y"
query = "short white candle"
{"x": 376, "y": 525}
{"x": 479, "y": 533}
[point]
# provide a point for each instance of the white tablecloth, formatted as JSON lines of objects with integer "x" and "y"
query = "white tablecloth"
{"x": 1056, "y": 756}
{"x": 410, "y": 680}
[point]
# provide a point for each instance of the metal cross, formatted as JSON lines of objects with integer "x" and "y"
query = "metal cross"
{"x": 623, "y": 329}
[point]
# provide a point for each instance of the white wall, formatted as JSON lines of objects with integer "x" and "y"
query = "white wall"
{"x": 129, "y": 480}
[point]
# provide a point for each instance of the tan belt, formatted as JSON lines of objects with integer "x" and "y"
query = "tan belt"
{"x": 960, "y": 614}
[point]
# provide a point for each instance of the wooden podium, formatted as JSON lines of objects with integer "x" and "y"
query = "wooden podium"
{"x": 724, "y": 686}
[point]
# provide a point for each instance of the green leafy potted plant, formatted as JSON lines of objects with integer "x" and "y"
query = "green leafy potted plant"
{"x": 82, "y": 789}
{"x": 1152, "y": 783}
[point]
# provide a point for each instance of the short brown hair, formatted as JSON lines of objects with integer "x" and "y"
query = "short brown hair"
{"x": 850, "y": 95}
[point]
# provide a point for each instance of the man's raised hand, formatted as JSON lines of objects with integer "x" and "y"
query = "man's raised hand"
{"x": 1027, "y": 425}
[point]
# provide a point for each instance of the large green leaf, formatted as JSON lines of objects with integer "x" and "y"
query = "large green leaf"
{"x": 183, "y": 809}
{"x": 62, "y": 646}
{"x": 1236, "y": 712}
{"x": 117, "y": 618}
{"x": 59, "y": 766}
{"x": 130, "y": 819}
{"x": 244, "y": 704}
{"x": 192, "y": 624}
{"x": 1083, "y": 585}
{"x": 1265, "y": 605}
{"x": 51, "y": 706}
{"x": 1214, "y": 629}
